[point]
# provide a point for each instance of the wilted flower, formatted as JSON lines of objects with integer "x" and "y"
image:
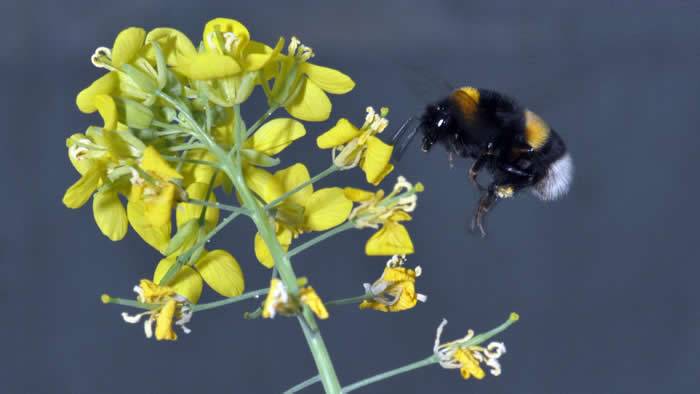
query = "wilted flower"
{"x": 279, "y": 301}
{"x": 352, "y": 146}
{"x": 169, "y": 308}
{"x": 466, "y": 354}
{"x": 396, "y": 289}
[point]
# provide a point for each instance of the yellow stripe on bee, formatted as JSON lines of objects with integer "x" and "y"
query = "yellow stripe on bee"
{"x": 467, "y": 99}
{"x": 536, "y": 130}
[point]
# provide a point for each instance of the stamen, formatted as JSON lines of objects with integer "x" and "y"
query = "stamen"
{"x": 211, "y": 37}
{"x": 293, "y": 45}
{"x": 421, "y": 297}
{"x": 136, "y": 180}
{"x": 148, "y": 328}
{"x": 100, "y": 52}
{"x": 231, "y": 40}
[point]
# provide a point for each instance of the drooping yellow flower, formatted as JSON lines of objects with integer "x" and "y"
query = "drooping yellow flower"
{"x": 396, "y": 289}
{"x": 279, "y": 301}
{"x": 466, "y": 357}
{"x": 304, "y": 211}
{"x": 218, "y": 268}
{"x": 375, "y": 210}
{"x": 169, "y": 308}
{"x": 352, "y": 146}
{"x": 98, "y": 156}
{"x": 158, "y": 193}
{"x": 301, "y": 87}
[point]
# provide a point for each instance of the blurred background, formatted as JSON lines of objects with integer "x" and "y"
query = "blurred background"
{"x": 605, "y": 280}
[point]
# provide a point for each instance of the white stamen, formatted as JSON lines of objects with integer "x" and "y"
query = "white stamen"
{"x": 99, "y": 52}
{"x": 421, "y": 297}
{"x": 136, "y": 180}
{"x": 418, "y": 270}
{"x": 210, "y": 39}
{"x": 132, "y": 319}
{"x": 293, "y": 45}
{"x": 231, "y": 39}
{"x": 148, "y": 328}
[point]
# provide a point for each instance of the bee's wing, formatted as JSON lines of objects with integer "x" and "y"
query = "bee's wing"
{"x": 404, "y": 136}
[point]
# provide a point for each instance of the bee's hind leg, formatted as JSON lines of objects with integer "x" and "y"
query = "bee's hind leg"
{"x": 487, "y": 200}
{"x": 474, "y": 171}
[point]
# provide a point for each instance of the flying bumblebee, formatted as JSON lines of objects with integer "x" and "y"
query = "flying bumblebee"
{"x": 513, "y": 143}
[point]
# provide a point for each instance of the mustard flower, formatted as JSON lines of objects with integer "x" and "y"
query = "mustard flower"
{"x": 395, "y": 290}
{"x": 301, "y": 87}
{"x": 305, "y": 211}
{"x": 375, "y": 210}
{"x": 468, "y": 358}
{"x": 278, "y": 300}
{"x": 170, "y": 308}
{"x": 352, "y": 146}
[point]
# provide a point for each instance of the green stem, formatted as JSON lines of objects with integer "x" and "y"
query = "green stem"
{"x": 351, "y": 300}
{"x": 483, "y": 337}
{"x": 304, "y": 384}
{"x": 388, "y": 374}
{"x": 333, "y": 168}
{"x": 223, "y": 207}
{"x": 260, "y": 121}
{"x": 313, "y": 241}
{"x": 122, "y": 301}
{"x": 192, "y": 161}
{"x": 230, "y": 300}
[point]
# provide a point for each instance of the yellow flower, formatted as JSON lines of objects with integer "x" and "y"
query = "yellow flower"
{"x": 304, "y": 211}
{"x": 98, "y": 157}
{"x": 279, "y": 301}
{"x": 158, "y": 193}
{"x": 352, "y": 146}
{"x": 468, "y": 357}
{"x": 169, "y": 308}
{"x": 301, "y": 87}
{"x": 375, "y": 210}
{"x": 218, "y": 268}
{"x": 396, "y": 289}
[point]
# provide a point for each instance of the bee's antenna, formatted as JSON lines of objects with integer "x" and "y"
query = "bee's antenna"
{"x": 403, "y": 137}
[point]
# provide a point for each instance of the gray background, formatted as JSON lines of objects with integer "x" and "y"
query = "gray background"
{"x": 605, "y": 280}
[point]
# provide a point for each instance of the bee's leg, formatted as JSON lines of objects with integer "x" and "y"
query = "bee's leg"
{"x": 520, "y": 172}
{"x": 474, "y": 171}
{"x": 485, "y": 203}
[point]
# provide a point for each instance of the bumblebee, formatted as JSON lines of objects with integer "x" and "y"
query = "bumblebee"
{"x": 513, "y": 143}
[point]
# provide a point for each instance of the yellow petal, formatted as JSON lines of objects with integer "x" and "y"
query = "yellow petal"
{"x": 186, "y": 282}
{"x": 340, "y": 134}
{"x": 327, "y": 208}
{"x": 110, "y": 214}
{"x": 284, "y": 236}
{"x": 262, "y": 183}
{"x": 205, "y": 66}
{"x": 174, "y": 44}
{"x": 198, "y": 172}
{"x": 258, "y": 55}
{"x": 157, "y": 202}
{"x": 222, "y": 273}
{"x": 78, "y": 194}
{"x": 357, "y": 195}
{"x": 292, "y": 177}
{"x": 375, "y": 163}
{"x": 308, "y": 296}
{"x": 106, "y": 84}
{"x": 155, "y": 164}
{"x": 108, "y": 110}
{"x": 310, "y": 104}
{"x": 391, "y": 239}
{"x": 328, "y": 79}
{"x": 186, "y": 212}
{"x": 164, "y": 322}
{"x": 158, "y": 237}
{"x": 275, "y": 135}
{"x": 127, "y": 45}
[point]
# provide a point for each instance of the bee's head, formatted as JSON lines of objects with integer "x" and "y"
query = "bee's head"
{"x": 434, "y": 124}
